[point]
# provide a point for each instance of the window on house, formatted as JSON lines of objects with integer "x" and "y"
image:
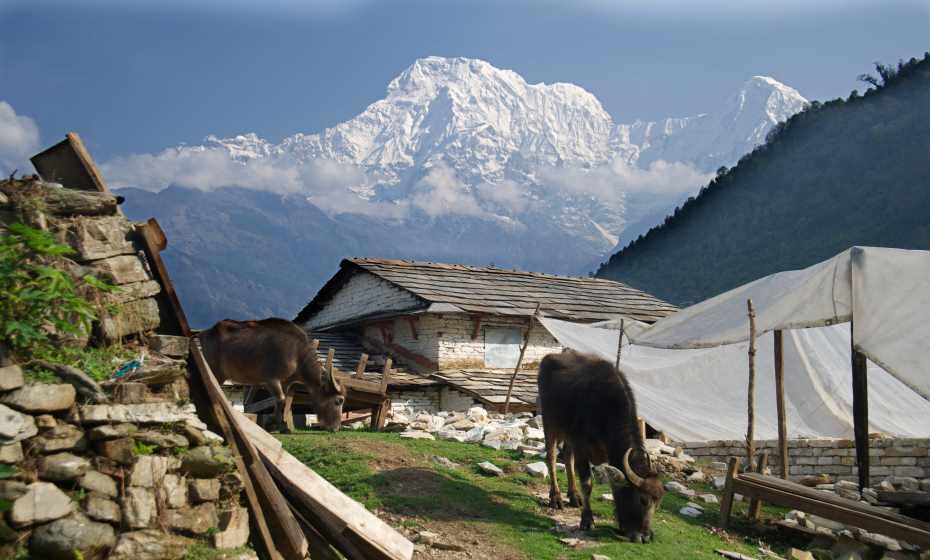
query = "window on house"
{"x": 502, "y": 347}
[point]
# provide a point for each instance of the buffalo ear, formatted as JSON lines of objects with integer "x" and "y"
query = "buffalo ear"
{"x": 614, "y": 475}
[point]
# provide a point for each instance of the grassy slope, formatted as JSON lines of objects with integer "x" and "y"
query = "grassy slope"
{"x": 365, "y": 464}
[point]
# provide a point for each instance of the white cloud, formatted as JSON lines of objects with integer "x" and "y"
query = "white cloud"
{"x": 507, "y": 194}
{"x": 610, "y": 183}
{"x": 19, "y": 139}
{"x": 441, "y": 193}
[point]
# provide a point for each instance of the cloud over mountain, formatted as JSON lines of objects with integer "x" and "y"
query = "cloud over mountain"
{"x": 19, "y": 139}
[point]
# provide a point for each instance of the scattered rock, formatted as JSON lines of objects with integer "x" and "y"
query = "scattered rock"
{"x": 62, "y": 466}
{"x": 234, "y": 529}
{"x": 15, "y": 426}
{"x": 537, "y": 469}
{"x": 696, "y": 476}
{"x": 848, "y": 490}
{"x": 720, "y": 482}
{"x": 149, "y": 471}
{"x": 101, "y": 508}
{"x": 119, "y": 450}
{"x": 196, "y": 520}
{"x": 416, "y": 434}
{"x": 40, "y": 398}
{"x": 11, "y": 377}
{"x": 204, "y": 490}
{"x": 797, "y": 554}
{"x": 709, "y": 498}
{"x": 425, "y": 537}
{"x": 62, "y": 437}
{"x": 689, "y": 511}
{"x": 886, "y": 486}
{"x": 503, "y": 438}
{"x": 490, "y": 468}
{"x": 151, "y": 544}
{"x": 94, "y": 481}
{"x": 599, "y": 557}
{"x": 139, "y": 508}
{"x": 445, "y": 462}
{"x": 571, "y": 542}
{"x": 206, "y": 461}
{"x": 12, "y": 453}
{"x": 607, "y": 497}
{"x": 42, "y": 502}
{"x": 72, "y": 537}
{"x": 680, "y": 489}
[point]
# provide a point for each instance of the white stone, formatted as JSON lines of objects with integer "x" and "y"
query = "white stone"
{"x": 538, "y": 469}
{"x": 478, "y": 415}
{"x": 720, "y": 482}
{"x": 412, "y": 434}
{"x": 688, "y": 511}
{"x": 607, "y": 497}
{"x": 709, "y": 498}
{"x": 149, "y": 471}
{"x": 174, "y": 490}
{"x": 657, "y": 446}
{"x": 696, "y": 476}
{"x": 15, "y": 426}
{"x": 680, "y": 489}
{"x": 534, "y": 433}
{"x": 488, "y": 467}
{"x": 698, "y": 507}
{"x": 235, "y": 531}
{"x": 42, "y": 502}
{"x": 139, "y": 508}
{"x": 503, "y": 438}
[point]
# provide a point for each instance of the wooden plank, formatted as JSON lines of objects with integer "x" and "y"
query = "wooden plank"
{"x": 780, "y": 403}
{"x": 174, "y": 321}
{"x": 869, "y": 520}
{"x": 352, "y": 529}
{"x": 362, "y": 364}
{"x": 261, "y": 405}
{"x": 287, "y": 536}
{"x": 726, "y": 504}
{"x": 385, "y": 375}
{"x": 69, "y": 163}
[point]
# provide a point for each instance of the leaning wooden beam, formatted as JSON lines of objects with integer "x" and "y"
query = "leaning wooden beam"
{"x": 780, "y": 403}
{"x": 281, "y": 535}
{"x": 345, "y": 523}
{"x": 155, "y": 241}
{"x": 751, "y": 401}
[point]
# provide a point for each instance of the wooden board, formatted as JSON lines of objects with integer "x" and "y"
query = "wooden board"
{"x": 69, "y": 163}
{"x": 356, "y": 532}
{"x": 173, "y": 318}
{"x": 266, "y": 500}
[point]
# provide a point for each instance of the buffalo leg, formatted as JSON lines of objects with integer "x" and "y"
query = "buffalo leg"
{"x": 568, "y": 454}
{"x": 583, "y": 465}
{"x": 275, "y": 388}
{"x": 552, "y": 452}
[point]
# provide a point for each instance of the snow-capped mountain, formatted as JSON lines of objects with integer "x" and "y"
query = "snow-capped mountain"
{"x": 466, "y": 162}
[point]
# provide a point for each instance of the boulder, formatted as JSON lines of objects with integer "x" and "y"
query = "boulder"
{"x": 40, "y": 503}
{"x": 101, "y": 508}
{"x": 111, "y": 431}
{"x": 174, "y": 489}
{"x": 196, "y": 520}
{"x": 40, "y": 398}
{"x": 62, "y": 466}
{"x": 206, "y": 461}
{"x": 234, "y": 529}
{"x": 478, "y": 415}
{"x": 149, "y": 471}
{"x": 12, "y": 453}
{"x": 689, "y": 511}
{"x": 162, "y": 439}
{"x": 11, "y": 377}
{"x": 118, "y": 450}
{"x": 72, "y": 537}
{"x": 139, "y": 508}
{"x": 150, "y": 544}
{"x": 63, "y": 437}
{"x": 503, "y": 438}
{"x": 538, "y": 469}
{"x": 203, "y": 490}
{"x": 490, "y": 468}
{"x": 15, "y": 426}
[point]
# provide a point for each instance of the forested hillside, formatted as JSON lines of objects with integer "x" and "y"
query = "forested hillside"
{"x": 841, "y": 173}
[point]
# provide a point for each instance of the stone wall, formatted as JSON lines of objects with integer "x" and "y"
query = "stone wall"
{"x": 890, "y": 457}
{"x": 446, "y": 339}
{"x": 430, "y": 399}
{"x": 362, "y": 295}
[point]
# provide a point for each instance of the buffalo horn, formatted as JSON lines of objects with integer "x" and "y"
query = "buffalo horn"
{"x": 631, "y": 475}
{"x": 614, "y": 475}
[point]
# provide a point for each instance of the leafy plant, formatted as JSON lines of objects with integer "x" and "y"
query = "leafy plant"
{"x": 36, "y": 298}
{"x": 142, "y": 448}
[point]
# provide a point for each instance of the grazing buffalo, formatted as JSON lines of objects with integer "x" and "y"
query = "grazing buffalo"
{"x": 587, "y": 405}
{"x": 275, "y": 353}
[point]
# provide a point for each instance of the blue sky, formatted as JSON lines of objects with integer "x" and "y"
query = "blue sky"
{"x": 135, "y": 77}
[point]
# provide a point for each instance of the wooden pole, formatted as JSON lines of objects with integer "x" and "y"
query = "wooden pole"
{"x": 619, "y": 344}
{"x": 780, "y": 403}
{"x": 516, "y": 370}
{"x": 750, "y": 443}
{"x": 860, "y": 380}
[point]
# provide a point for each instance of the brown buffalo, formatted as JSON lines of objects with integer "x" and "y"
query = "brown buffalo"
{"x": 275, "y": 353}
{"x": 588, "y": 404}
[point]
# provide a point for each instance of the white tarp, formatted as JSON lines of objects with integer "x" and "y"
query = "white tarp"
{"x": 699, "y": 395}
{"x": 885, "y": 291}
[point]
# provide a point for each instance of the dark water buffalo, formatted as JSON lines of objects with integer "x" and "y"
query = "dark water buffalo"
{"x": 275, "y": 353}
{"x": 587, "y": 405}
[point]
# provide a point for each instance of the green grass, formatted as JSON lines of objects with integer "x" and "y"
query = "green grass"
{"x": 503, "y": 508}
{"x": 98, "y": 363}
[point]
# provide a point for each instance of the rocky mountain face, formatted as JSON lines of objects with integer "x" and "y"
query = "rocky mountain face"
{"x": 461, "y": 161}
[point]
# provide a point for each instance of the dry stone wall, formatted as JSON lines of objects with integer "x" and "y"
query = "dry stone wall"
{"x": 889, "y": 457}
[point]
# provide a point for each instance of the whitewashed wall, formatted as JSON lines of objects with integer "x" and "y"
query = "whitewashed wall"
{"x": 362, "y": 295}
{"x": 446, "y": 339}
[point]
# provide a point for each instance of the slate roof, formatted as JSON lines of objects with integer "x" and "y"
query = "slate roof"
{"x": 451, "y": 288}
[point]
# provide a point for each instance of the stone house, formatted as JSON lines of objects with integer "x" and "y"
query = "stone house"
{"x": 456, "y": 330}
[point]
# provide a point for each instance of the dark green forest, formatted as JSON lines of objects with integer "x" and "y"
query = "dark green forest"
{"x": 847, "y": 172}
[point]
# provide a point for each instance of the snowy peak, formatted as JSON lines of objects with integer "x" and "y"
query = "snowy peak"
{"x": 763, "y": 95}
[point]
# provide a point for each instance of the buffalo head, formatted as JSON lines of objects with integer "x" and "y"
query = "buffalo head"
{"x": 329, "y": 400}
{"x": 635, "y": 502}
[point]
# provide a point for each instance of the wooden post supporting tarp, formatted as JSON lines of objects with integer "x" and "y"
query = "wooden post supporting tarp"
{"x": 619, "y": 345}
{"x": 751, "y": 401}
{"x": 860, "y": 382}
{"x": 780, "y": 403}
{"x": 526, "y": 342}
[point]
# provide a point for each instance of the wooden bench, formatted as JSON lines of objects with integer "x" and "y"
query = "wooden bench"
{"x": 759, "y": 487}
